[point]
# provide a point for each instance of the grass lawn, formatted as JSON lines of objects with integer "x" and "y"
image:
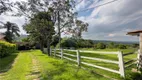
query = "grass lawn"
{"x": 104, "y": 64}
{"x": 19, "y": 68}
{"x": 5, "y": 63}
{"x": 33, "y": 65}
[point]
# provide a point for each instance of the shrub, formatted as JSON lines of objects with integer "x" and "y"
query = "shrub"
{"x": 27, "y": 45}
{"x": 134, "y": 76}
{"x": 121, "y": 46}
{"x": 135, "y": 45}
{"x": 100, "y": 46}
{"x": 111, "y": 45}
{"x": 7, "y": 48}
{"x": 23, "y": 46}
{"x": 67, "y": 43}
{"x": 75, "y": 43}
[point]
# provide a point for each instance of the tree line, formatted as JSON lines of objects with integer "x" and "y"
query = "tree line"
{"x": 45, "y": 19}
{"x": 84, "y": 43}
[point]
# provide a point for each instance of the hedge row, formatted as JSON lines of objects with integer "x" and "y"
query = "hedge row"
{"x": 7, "y": 48}
{"x": 27, "y": 45}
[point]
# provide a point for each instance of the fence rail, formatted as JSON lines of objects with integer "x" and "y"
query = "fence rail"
{"x": 70, "y": 55}
{"x": 130, "y": 61}
{"x": 100, "y": 67}
{"x": 70, "y": 59}
{"x": 58, "y": 55}
{"x": 128, "y": 53}
{"x": 98, "y": 59}
{"x": 130, "y": 64}
{"x": 100, "y": 52}
{"x": 121, "y": 64}
{"x": 85, "y": 51}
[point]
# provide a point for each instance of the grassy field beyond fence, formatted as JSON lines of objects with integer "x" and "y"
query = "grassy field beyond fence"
{"x": 113, "y": 57}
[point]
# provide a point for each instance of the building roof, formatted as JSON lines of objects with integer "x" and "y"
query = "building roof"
{"x": 2, "y": 36}
{"x": 135, "y": 33}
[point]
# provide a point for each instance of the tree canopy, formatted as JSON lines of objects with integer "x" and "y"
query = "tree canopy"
{"x": 40, "y": 29}
{"x": 46, "y": 18}
{"x": 5, "y": 5}
{"x": 12, "y": 30}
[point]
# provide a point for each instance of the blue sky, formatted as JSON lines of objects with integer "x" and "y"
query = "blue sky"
{"x": 111, "y": 21}
{"x": 108, "y": 22}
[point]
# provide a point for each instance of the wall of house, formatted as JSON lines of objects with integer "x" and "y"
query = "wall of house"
{"x": 141, "y": 43}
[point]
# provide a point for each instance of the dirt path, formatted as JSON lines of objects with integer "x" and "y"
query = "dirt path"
{"x": 35, "y": 69}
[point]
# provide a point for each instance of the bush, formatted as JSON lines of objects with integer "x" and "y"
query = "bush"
{"x": 121, "y": 46}
{"x": 27, "y": 46}
{"x": 111, "y": 45}
{"x": 135, "y": 45}
{"x": 100, "y": 46}
{"x": 67, "y": 43}
{"x": 134, "y": 76}
{"x": 7, "y": 48}
{"x": 76, "y": 43}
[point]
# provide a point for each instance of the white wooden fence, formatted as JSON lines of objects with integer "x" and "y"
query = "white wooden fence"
{"x": 131, "y": 61}
{"x": 120, "y": 61}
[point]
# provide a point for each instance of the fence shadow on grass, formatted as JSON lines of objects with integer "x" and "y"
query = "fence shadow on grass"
{"x": 6, "y": 62}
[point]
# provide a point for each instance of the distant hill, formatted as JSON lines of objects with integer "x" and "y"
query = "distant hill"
{"x": 117, "y": 42}
{"x": 95, "y": 41}
{"x": 19, "y": 39}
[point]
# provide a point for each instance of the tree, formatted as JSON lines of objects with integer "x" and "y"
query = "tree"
{"x": 5, "y": 5}
{"x": 62, "y": 11}
{"x": 100, "y": 46}
{"x": 12, "y": 30}
{"x": 63, "y": 14}
{"x": 41, "y": 29}
{"x": 68, "y": 43}
{"x": 89, "y": 43}
{"x": 80, "y": 27}
{"x": 135, "y": 45}
{"x": 111, "y": 45}
{"x": 55, "y": 40}
{"x": 121, "y": 46}
{"x": 25, "y": 39}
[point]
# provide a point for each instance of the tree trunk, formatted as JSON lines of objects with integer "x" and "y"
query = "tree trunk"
{"x": 41, "y": 46}
{"x": 48, "y": 47}
{"x": 59, "y": 33}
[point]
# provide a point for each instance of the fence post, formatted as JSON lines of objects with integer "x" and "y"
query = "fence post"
{"x": 121, "y": 64}
{"x": 78, "y": 58}
{"x": 55, "y": 52}
{"x": 61, "y": 53}
{"x": 50, "y": 51}
{"x": 138, "y": 56}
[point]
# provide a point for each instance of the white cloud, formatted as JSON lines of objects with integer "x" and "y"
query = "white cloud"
{"x": 18, "y": 20}
{"x": 118, "y": 18}
{"x": 82, "y": 4}
{"x": 111, "y": 35}
{"x": 108, "y": 22}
